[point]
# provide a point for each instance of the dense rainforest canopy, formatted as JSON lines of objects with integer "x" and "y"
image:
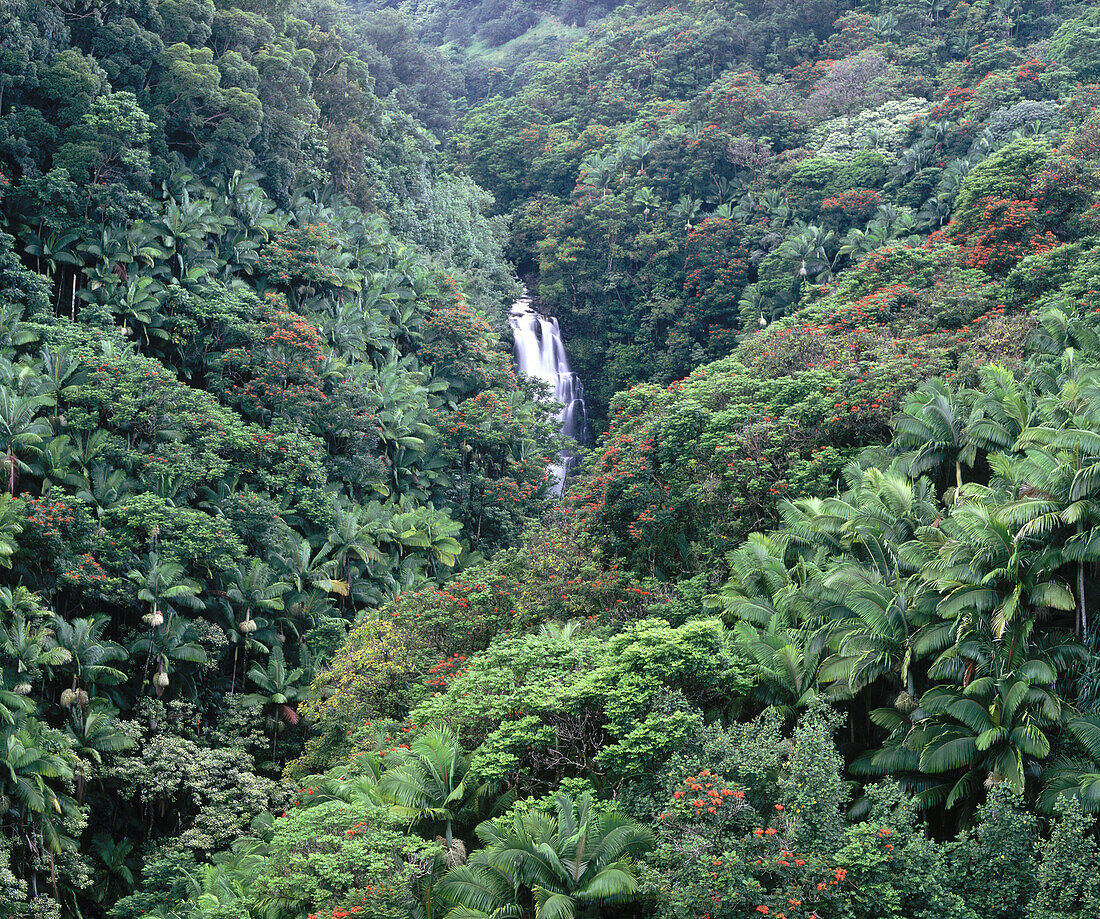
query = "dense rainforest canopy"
{"x": 293, "y": 624}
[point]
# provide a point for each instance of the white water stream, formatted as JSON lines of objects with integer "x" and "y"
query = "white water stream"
{"x": 540, "y": 353}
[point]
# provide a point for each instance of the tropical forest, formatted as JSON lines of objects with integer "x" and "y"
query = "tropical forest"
{"x": 549, "y": 459}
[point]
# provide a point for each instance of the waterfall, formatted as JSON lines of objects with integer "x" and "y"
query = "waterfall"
{"x": 540, "y": 353}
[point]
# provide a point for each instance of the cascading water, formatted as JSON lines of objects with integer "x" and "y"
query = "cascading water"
{"x": 540, "y": 353}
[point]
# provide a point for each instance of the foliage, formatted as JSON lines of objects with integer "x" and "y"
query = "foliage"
{"x": 289, "y": 626}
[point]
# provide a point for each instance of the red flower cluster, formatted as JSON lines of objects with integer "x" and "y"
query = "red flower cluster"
{"x": 446, "y": 670}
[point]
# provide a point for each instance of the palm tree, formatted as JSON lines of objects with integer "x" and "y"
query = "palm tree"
{"x": 30, "y": 777}
{"x": 1058, "y": 331}
{"x": 560, "y": 632}
{"x": 809, "y": 248}
{"x": 104, "y": 488}
{"x": 306, "y": 570}
{"x": 162, "y": 584}
{"x": 930, "y": 432}
{"x": 116, "y": 855}
{"x": 90, "y": 655}
{"x": 21, "y": 429}
{"x": 25, "y": 650}
{"x": 761, "y": 588}
{"x": 784, "y": 667}
{"x": 429, "y": 782}
{"x": 280, "y": 689}
{"x": 478, "y": 890}
{"x": 1058, "y": 483}
{"x": 52, "y": 254}
{"x": 56, "y": 464}
{"x": 888, "y": 226}
{"x": 648, "y": 199}
{"x": 93, "y": 731}
{"x": 1076, "y": 771}
{"x": 24, "y": 641}
{"x": 182, "y": 231}
{"x": 171, "y": 643}
{"x": 978, "y": 727}
{"x": 876, "y": 639}
{"x": 992, "y": 730}
{"x": 111, "y": 252}
{"x": 872, "y": 600}
{"x": 989, "y": 578}
{"x": 139, "y": 302}
{"x": 254, "y": 590}
{"x": 61, "y": 377}
{"x": 1001, "y": 410}
{"x": 352, "y": 538}
{"x": 575, "y": 862}
{"x": 337, "y": 785}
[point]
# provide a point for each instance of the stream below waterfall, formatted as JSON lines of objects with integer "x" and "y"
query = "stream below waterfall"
{"x": 540, "y": 353}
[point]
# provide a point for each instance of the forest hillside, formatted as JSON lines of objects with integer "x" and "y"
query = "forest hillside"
{"x": 295, "y": 620}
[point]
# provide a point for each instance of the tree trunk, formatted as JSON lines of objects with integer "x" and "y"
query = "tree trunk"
{"x": 1083, "y": 624}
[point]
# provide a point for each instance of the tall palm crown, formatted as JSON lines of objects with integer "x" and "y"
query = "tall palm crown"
{"x": 429, "y": 782}
{"x": 574, "y": 863}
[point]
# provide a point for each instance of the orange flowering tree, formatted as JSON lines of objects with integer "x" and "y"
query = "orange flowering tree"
{"x": 276, "y": 371}
{"x": 765, "y": 836}
{"x": 1008, "y": 230}
{"x": 303, "y": 261}
{"x": 717, "y": 270}
{"x": 339, "y": 860}
{"x": 461, "y": 347}
{"x": 851, "y": 208}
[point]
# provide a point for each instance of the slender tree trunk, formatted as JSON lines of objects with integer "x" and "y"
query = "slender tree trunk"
{"x": 1083, "y": 624}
